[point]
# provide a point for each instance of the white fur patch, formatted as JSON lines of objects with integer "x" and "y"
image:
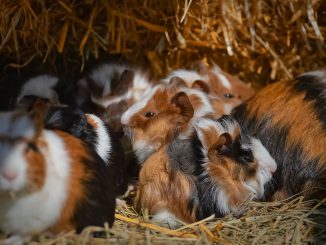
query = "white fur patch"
{"x": 223, "y": 202}
{"x": 40, "y": 210}
{"x": 263, "y": 156}
{"x": 206, "y": 106}
{"x": 163, "y": 216}
{"x": 13, "y": 161}
{"x": 14, "y": 126}
{"x": 41, "y": 86}
{"x": 143, "y": 150}
{"x": 138, "y": 106}
{"x": 188, "y": 76}
{"x": 103, "y": 141}
{"x": 321, "y": 74}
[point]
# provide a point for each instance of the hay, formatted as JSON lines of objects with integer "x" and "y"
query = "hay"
{"x": 259, "y": 40}
{"x": 287, "y": 222}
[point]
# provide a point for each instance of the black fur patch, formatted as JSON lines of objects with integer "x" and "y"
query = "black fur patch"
{"x": 98, "y": 206}
{"x": 315, "y": 90}
{"x": 185, "y": 156}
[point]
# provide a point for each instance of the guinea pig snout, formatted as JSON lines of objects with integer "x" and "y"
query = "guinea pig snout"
{"x": 9, "y": 175}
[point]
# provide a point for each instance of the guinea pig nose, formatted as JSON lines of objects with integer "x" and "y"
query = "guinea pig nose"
{"x": 9, "y": 175}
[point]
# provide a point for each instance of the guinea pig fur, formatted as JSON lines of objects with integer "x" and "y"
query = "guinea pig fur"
{"x": 230, "y": 88}
{"x": 112, "y": 89}
{"x": 49, "y": 180}
{"x": 224, "y": 90}
{"x": 140, "y": 120}
{"x": 235, "y": 166}
{"x": 164, "y": 188}
{"x": 41, "y": 86}
{"x": 289, "y": 119}
{"x": 94, "y": 132}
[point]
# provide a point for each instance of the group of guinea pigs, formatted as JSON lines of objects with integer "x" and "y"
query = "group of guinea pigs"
{"x": 204, "y": 140}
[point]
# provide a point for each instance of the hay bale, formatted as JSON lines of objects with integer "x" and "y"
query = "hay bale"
{"x": 259, "y": 40}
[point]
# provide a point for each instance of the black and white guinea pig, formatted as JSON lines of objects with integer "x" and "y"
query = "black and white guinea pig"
{"x": 94, "y": 132}
{"x": 109, "y": 89}
{"x": 234, "y": 169}
{"x": 49, "y": 179}
{"x": 289, "y": 119}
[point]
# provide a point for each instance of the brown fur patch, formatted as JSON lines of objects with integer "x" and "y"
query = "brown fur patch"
{"x": 159, "y": 188}
{"x": 78, "y": 174}
{"x": 286, "y": 108}
{"x": 91, "y": 121}
{"x": 36, "y": 168}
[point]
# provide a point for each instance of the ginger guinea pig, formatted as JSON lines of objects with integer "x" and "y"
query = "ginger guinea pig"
{"x": 49, "y": 180}
{"x": 235, "y": 166}
{"x": 289, "y": 119}
{"x": 140, "y": 120}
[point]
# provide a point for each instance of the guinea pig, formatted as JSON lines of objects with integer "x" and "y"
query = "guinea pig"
{"x": 140, "y": 119}
{"x": 235, "y": 166}
{"x": 289, "y": 119}
{"x": 220, "y": 83}
{"x": 164, "y": 188}
{"x": 112, "y": 88}
{"x": 94, "y": 132}
{"x": 49, "y": 179}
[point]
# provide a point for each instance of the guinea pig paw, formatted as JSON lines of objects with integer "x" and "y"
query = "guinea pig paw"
{"x": 16, "y": 240}
{"x": 165, "y": 218}
{"x": 120, "y": 203}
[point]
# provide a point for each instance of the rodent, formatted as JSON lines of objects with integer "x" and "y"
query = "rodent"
{"x": 289, "y": 119}
{"x": 57, "y": 181}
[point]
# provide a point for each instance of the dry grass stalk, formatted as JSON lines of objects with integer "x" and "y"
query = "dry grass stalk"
{"x": 258, "y": 40}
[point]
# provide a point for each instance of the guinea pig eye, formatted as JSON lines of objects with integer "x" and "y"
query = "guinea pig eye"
{"x": 246, "y": 159}
{"x": 150, "y": 114}
{"x": 228, "y": 96}
{"x": 32, "y": 146}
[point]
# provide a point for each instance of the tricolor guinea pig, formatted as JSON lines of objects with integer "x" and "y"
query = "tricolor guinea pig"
{"x": 235, "y": 166}
{"x": 109, "y": 89}
{"x": 49, "y": 180}
{"x": 289, "y": 119}
{"x": 165, "y": 188}
{"x": 141, "y": 119}
{"x": 94, "y": 132}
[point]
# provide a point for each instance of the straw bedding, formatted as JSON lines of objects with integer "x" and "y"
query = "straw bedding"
{"x": 259, "y": 40}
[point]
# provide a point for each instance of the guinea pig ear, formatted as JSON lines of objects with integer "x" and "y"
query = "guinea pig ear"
{"x": 177, "y": 82}
{"x": 201, "y": 85}
{"x": 182, "y": 101}
{"x": 39, "y": 112}
{"x": 122, "y": 84}
{"x": 224, "y": 140}
{"x": 95, "y": 89}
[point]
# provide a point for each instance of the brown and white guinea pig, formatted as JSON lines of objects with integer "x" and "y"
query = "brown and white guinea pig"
{"x": 94, "y": 132}
{"x": 109, "y": 89}
{"x": 140, "y": 120}
{"x": 234, "y": 166}
{"x": 289, "y": 119}
{"x": 229, "y": 87}
{"x": 49, "y": 180}
{"x": 163, "y": 188}
{"x": 225, "y": 91}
